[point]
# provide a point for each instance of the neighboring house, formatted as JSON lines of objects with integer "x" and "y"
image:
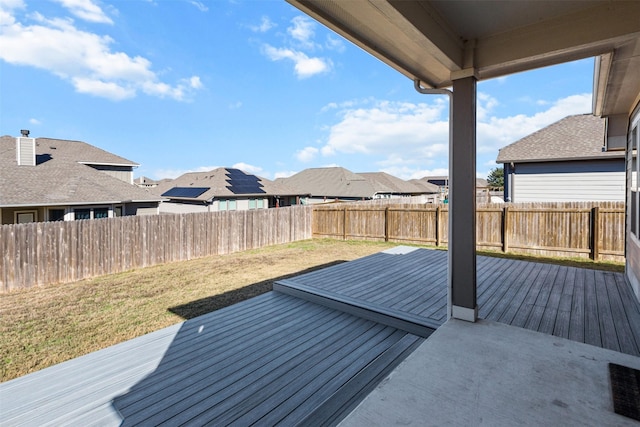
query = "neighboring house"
{"x": 340, "y": 184}
{"x": 330, "y": 184}
{"x": 43, "y": 179}
{"x": 441, "y": 183}
{"x": 565, "y": 161}
{"x": 434, "y": 192}
{"x": 223, "y": 189}
{"x": 145, "y": 182}
{"x": 387, "y": 186}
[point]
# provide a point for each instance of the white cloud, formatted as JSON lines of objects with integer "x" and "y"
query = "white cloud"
{"x": 245, "y": 167}
{"x": 307, "y": 154}
{"x": 265, "y": 25}
{"x": 334, "y": 44}
{"x": 201, "y": 6}
{"x": 304, "y": 66}
{"x": 84, "y": 59}
{"x": 284, "y": 174}
{"x": 389, "y": 128}
{"x": 298, "y": 43}
{"x": 34, "y": 121}
{"x": 87, "y": 10}
{"x": 235, "y": 105}
{"x": 410, "y": 140}
{"x": 302, "y": 31}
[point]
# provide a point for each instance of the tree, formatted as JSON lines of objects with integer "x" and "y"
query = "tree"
{"x": 496, "y": 177}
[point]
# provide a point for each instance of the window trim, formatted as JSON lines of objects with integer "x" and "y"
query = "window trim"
{"x": 64, "y": 214}
{"x": 34, "y": 212}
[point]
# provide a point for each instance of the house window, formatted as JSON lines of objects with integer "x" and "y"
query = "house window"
{"x": 23, "y": 217}
{"x": 260, "y": 203}
{"x": 100, "y": 213}
{"x": 82, "y": 213}
{"x": 252, "y": 203}
{"x": 117, "y": 211}
{"x": 227, "y": 205}
{"x": 56, "y": 214}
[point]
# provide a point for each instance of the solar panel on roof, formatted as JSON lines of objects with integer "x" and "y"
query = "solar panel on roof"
{"x": 187, "y": 192}
{"x": 241, "y": 183}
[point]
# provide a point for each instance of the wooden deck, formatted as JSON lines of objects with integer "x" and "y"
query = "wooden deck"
{"x": 308, "y": 352}
{"x": 271, "y": 360}
{"x": 591, "y": 306}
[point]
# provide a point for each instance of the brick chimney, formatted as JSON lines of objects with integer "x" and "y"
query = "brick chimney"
{"x": 26, "y": 149}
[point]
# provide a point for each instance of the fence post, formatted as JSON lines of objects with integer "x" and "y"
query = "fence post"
{"x": 505, "y": 229}
{"x": 386, "y": 224}
{"x": 438, "y": 239}
{"x": 595, "y": 233}
{"x": 344, "y": 224}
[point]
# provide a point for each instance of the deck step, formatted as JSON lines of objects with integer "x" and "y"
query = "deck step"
{"x": 349, "y": 396}
{"x": 408, "y": 322}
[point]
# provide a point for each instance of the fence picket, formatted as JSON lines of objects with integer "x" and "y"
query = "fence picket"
{"x": 57, "y": 252}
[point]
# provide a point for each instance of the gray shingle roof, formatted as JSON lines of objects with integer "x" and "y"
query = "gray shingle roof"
{"x": 335, "y": 182}
{"x": 579, "y": 137}
{"x": 62, "y": 176}
{"x": 385, "y": 183}
{"x": 227, "y": 183}
{"x": 427, "y": 187}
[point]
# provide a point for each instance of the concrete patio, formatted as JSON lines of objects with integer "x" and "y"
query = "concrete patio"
{"x": 494, "y": 374}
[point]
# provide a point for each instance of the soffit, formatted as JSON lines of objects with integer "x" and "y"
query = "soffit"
{"x": 433, "y": 40}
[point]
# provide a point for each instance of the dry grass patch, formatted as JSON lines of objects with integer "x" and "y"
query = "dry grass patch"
{"x": 48, "y": 325}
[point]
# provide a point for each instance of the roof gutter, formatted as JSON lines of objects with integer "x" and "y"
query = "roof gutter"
{"x": 46, "y": 205}
{"x": 602, "y": 68}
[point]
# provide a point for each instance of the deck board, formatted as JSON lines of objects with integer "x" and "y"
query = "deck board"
{"x": 239, "y": 363}
{"x": 569, "y": 302}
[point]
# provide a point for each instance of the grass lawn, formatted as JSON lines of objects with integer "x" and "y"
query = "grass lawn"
{"x": 50, "y": 324}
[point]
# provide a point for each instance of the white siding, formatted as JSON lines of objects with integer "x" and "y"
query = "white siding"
{"x": 26, "y": 151}
{"x": 564, "y": 182}
{"x": 632, "y": 268}
{"x": 177, "y": 208}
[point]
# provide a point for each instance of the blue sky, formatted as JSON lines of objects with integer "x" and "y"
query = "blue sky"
{"x": 182, "y": 85}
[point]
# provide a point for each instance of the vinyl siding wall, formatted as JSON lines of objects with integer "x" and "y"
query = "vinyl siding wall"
{"x": 589, "y": 181}
{"x": 632, "y": 241}
{"x": 123, "y": 173}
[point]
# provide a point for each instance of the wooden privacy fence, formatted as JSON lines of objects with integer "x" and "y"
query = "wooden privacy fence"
{"x": 53, "y": 252}
{"x": 551, "y": 229}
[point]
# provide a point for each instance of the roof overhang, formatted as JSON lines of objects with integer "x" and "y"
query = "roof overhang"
{"x": 128, "y": 165}
{"x": 437, "y": 42}
{"x": 619, "y": 155}
{"x": 75, "y": 204}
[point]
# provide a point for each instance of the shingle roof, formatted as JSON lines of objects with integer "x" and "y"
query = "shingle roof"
{"x": 330, "y": 182}
{"x": 225, "y": 182}
{"x": 579, "y": 137}
{"x": 427, "y": 187}
{"x": 383, "y": 182}
{"x": 480, "y": 182}
{"x": 61, "y": 178}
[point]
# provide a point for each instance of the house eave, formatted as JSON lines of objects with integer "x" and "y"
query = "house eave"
{"x": 617, "y": 156}
{"x": 129, "y": 165}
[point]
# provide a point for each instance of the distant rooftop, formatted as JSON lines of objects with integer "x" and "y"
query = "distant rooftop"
{"x": 579, "y": 137}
